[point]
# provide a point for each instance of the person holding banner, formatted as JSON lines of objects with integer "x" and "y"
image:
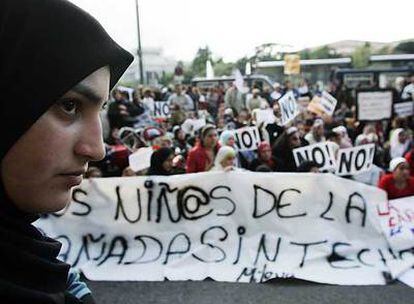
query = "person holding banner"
{"x": 399, "y": 143}
{"x": 283, "y": 147}
{"x": 201, "y": 157}
{"x": 317, "y": 133}
{"x": 225, "y": 159}
{"x": 49, "y": 136}
{"x": 161, "y": 162}
{"x": 265, "y": 158}
{"x": 398, "y": 183}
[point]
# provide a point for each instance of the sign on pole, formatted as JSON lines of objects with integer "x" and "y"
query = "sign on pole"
{"x": 292, "y": 64}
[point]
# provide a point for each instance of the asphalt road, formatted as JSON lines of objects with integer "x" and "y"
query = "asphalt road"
{"x": 275, "y": 291}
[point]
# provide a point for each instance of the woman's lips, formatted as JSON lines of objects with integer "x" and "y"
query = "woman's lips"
{"x": 73, "y": 179}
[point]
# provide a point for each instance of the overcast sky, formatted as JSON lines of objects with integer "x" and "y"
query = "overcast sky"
{"x": 232, "y": 28}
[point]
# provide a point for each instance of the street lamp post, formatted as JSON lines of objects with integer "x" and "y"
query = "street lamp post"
{"x": 139, "y": 52}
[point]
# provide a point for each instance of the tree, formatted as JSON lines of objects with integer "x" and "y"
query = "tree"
{"x": 406, "y": 47}
{"x": 322, "y": 52}
{"x": 198, "y": 65}
{"x": 360, "y": 56}
{"x": 222, "y": 68}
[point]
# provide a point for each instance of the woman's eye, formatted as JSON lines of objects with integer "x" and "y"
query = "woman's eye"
{"x": 69, "y": 106}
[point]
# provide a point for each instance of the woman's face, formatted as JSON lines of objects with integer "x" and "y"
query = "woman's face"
{"x": 294, "y": 140}
{"x": 402, "y": 137}
{"x": 402, "y": 172}
{"x": 168, "y": 163}
{"x": 230, "y": 141}
{"x": 181, "y": 135}
{"x": 228, "y": 161}
{"x": 41, "y": 168}
{"x": 266, "y": 154}
{"x": 210, "y": 139}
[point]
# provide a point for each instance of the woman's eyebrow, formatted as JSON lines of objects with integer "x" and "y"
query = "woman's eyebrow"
{"x": 87, "y": 92}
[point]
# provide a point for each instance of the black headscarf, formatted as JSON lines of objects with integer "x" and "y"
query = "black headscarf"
{"x": 157, "y": 159}
{"x": 46, "y": 48}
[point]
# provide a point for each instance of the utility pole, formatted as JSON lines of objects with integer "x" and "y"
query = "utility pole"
{"x": 139, "y": 53}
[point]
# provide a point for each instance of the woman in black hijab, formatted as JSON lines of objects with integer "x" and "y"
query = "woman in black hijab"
{"x": 57, "y": 65}
{"x": 161, "y": 162}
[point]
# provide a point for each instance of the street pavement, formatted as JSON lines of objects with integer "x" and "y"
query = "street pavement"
{"x": 275, "y": 291}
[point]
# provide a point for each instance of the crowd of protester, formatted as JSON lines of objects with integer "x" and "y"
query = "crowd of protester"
{"x": 183, "y": 145}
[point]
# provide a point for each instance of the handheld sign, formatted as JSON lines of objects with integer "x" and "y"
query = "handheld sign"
{"x": 264, "y": 116}
{"x": 161, "y": 109}
{"x": 404, "y": 109}
{"x": 247, "y": 138}
{"x": 321, "y": 153}
{"x": 375, "y": 105}
{"x": 328, "y": 103}
{"x": 288, "y": 107}
{"x": 141, "y": 159}
{"x": 315, "y": 106}
{"x": 355, "y": 160}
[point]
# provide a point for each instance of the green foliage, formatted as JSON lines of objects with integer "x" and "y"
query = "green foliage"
{"x": 360, "y": 57}
{"x": 222, "y": 68}
{"x": 323, "y": 52}
{"x": 385, "y": 50}
{"x": 167, "y": 78}
{"x": 198, "y": 66}
{"x": 406, "y": 47}
{"x": 241, "y": 64}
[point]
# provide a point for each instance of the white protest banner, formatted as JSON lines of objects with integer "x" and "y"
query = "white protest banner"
{"x": 407, "y": 278}
{"x": 247, "y": 138}
{"x": 355, "y": 160}
{"x": 374, "y": 105}
{"x": 161, "y": 109}
{"x": 321, "y": 153}
{"x": 288, "y": 107}
{"x": 404, "y": 109}
{"x": 235, "y": 226}
{"x": 328, "y": 103}
{"x": 397, "y": 222}
{"x": 141, "y": 159}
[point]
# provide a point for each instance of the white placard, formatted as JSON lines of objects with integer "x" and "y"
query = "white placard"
{"x": 235, "y": 226}
{"x": 247, "y": 138}
{"x": 288, "y": 107}
{"x": 321, "y": 153}
{"x": 374, "y": 105}
{"x": 355, "y": 160}
{"x": 328, "y": 103}
{"x": 161, "y": 109}
{"x": 264, "y": 116}
{"x": 141, "y": 159}
{"x": 404, "y": 109}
